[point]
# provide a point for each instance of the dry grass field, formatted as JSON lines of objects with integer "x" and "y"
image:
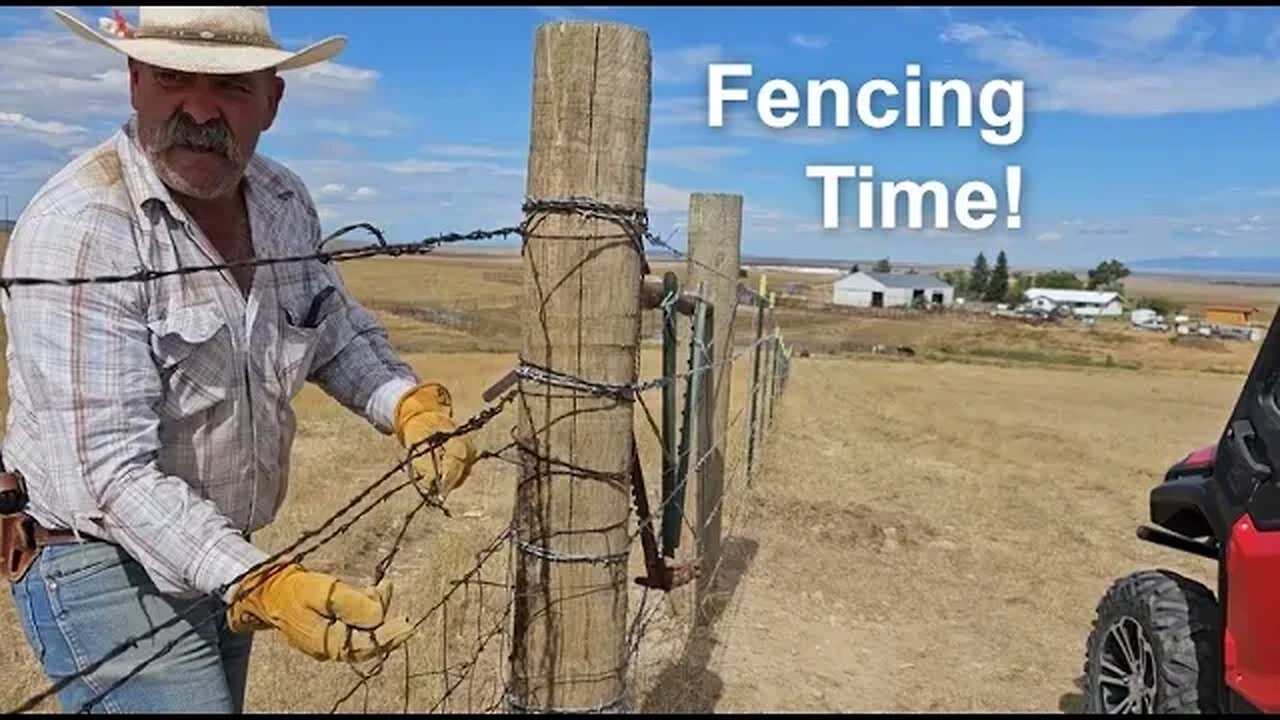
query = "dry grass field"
{"x": 924, "y": 533}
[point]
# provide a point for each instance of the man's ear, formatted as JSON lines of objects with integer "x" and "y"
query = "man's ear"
{"x": 274, "y": 97}
{"x": 134, "y": 79}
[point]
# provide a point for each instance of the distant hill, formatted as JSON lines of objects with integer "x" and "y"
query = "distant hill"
{"x": 1193, "y": 265}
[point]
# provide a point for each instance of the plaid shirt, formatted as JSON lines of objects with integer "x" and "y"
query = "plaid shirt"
{"x": 157, "y": 415}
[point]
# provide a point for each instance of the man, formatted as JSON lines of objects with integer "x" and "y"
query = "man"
{"x": 151, "y": 420}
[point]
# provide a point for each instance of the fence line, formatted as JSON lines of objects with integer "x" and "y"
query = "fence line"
{"x": 544, "y": 383}
{"x": 523, "y": 370}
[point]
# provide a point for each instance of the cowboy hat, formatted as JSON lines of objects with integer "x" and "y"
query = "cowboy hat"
{"x": 206, "y": 40}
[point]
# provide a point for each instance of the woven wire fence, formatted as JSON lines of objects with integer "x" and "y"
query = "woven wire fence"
{"x": 459, "y": 655}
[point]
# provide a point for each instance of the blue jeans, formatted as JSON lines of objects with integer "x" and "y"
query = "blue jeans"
{"x": 79, "y": 601}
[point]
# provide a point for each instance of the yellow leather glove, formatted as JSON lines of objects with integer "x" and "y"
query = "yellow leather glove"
{"x": 423, "y": 411}
{"x": 318, "y": 614}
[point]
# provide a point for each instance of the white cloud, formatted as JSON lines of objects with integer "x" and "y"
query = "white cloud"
{"x": 335, "y": 191}
{"x": 741, "y": 122}
{"x": 336, "y": 148}
{"x": 682, "y": 65}
{"x": 1049, "y": 236}
{"x": 797, "y": 134}
{"x": 681, "y": 110}
{"x": 669, "y": 207}
{"x": 417, "y": 166}
{"x": 46, "y": 129}
{"x": 698, "y": 158}
{"x": 662, "y": 198}
{"x": 421, "y": 196}
{"x": 330, "y": 83}
{"x": 348, "y": 128}
{"x": 52, "y": 73}
{"x": 1129, "y": 72}
{"x": 473, "y": 151}
{"x": 810, "y": 42}
{"x": 1244, "y": 227}
{"x": 1125, "y": 29}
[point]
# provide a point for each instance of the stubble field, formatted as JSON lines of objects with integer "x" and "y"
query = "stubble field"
{"x": 925, "y": 532}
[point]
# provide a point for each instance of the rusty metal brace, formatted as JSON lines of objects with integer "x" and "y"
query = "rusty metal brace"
{"x": 659, "y": 575}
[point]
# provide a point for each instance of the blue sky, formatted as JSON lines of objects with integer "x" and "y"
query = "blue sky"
{"x": 1148, "y": 132}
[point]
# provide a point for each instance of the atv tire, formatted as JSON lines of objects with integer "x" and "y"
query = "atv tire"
{"x": 1160, "y": 632}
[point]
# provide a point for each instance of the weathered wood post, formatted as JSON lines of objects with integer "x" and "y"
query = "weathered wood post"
{"x": 714, "y": 258}
{"x": 581, "y": 317}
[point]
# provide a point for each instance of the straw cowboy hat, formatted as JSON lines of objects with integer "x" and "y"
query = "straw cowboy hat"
{"x": 206, "y": 40}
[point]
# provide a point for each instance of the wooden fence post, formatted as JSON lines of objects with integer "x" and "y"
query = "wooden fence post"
{"x": 714, "y": 258}
{"x": 581, "y": 317}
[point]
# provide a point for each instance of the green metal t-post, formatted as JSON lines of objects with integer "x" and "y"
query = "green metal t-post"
{"x": 755, "y": 378}
{"x": 693, "y": 424}
{"x": 771, "y": 367}
{"x": 671, "y": 290}
{"x": 775, "y": 349}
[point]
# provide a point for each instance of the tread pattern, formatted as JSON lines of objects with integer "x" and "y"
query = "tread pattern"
{"x": 1181, "y": 620}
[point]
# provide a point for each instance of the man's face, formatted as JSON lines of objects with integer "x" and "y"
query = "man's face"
{"x": 201, "y": 130}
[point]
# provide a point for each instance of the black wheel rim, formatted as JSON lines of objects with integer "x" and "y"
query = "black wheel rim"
{"x": 1126, "y": 670}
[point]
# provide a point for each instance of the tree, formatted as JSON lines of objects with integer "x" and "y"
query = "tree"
{"x": 1018, "y": 287}
{"x": 855, "y": 269}
{"x": 1107, "y": 276}
{"x": 978, "y": 277}
{"x": 998, "y": 283}
{"x": 1162, "y": 306}
{"x": 883, "y": 266}
{"x": 958, "y": 280}
{"x": 1059, "y": 280}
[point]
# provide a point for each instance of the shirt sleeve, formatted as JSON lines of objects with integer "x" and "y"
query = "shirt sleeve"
{"x": 366, "y": 374}
{"x": 85, "y": 352}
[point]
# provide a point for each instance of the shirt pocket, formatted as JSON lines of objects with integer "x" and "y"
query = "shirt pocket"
{"x": 196, "y": 356}
{"x": 298, "y": 347}
{"x": 313, "y": 330}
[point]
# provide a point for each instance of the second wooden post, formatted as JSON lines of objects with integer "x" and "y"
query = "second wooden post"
{"x": 715, "y": 239}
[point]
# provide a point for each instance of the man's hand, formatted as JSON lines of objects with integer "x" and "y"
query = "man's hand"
{"x": 318, "y": 614}
{"x": 423, "y": 411}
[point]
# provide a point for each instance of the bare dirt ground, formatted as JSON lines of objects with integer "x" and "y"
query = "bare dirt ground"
{"x": 924, "y": 533}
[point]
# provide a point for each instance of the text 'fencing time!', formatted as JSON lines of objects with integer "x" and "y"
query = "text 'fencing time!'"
{"x": 974, "y": 203}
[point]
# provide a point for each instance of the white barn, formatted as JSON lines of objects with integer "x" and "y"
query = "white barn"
{"x": 1082, "y": 303}
{"x": 872, "y": 289}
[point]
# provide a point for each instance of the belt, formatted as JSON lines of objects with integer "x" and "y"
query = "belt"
{"x": 44, "y": 536}
{"x": 21, "y": 539}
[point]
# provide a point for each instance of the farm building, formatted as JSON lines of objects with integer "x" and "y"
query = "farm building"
{"x": 1228, "y": 314}
{"x": 1084, "y": 303}
{"x": 873, "y": 289}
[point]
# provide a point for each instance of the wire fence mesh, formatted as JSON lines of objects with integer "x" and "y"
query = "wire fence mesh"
{"x": 457, "y": 659}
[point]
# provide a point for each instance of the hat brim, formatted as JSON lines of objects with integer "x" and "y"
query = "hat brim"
{"x": 206, "y": 58}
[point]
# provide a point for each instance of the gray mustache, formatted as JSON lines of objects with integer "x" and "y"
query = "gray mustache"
{"x": 182, "y": 131}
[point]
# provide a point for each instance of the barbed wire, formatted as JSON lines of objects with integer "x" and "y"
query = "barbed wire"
{"x": 633, "y": 224}
{"x": 429, "y": 444}
{"x": 743, "y": 290}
